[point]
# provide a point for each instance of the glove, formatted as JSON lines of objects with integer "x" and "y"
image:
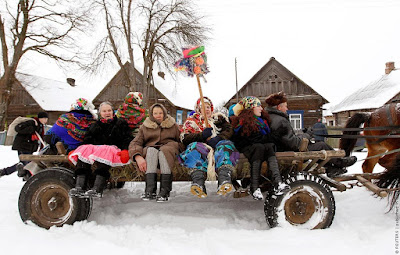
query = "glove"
{"x": 213, "y": 141}
{"x": 207, "y": 132}
{"x": 308, "y": 131}
{"x": 124, "y": 155}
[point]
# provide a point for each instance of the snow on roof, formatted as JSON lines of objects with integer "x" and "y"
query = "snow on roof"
{"x": 374, "y": 95}
{"x": 53, "y": 95}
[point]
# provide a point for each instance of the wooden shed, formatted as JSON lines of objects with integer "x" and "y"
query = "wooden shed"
{"x": 116, "y": 90}
{"x": 305, "y": 104}
{"x": 384, "y": 90}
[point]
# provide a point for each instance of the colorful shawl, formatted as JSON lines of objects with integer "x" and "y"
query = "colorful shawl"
{"x": 131, "y": 110}
{"x": 70, "y": 129}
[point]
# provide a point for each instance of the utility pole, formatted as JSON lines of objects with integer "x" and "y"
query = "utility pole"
{"x": 237, "y": 94}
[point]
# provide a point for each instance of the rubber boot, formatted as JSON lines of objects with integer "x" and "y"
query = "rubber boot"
{"x": 78, "y": 191}
{"x": 198, "y": 187}
{"x": 280, "y": 187}
{"x": 98, "y": 187}
{"x": 150, "y": 192}
{"x": 165, "y": 187}
{"x": 224, "y": 180}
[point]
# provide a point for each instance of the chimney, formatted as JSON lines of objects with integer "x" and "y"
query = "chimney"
{"x": 71, "y": 82}
{"x": 389, "y": 67}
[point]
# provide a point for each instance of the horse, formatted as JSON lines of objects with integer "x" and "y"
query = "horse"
{"x": 385, "y": 116}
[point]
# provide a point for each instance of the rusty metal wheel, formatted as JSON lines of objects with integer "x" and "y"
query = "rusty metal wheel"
{"x": 44, "y": 199}
{"x": 309, "y": 204}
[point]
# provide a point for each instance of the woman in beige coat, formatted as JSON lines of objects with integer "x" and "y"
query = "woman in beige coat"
{"x": 157, "y": 143}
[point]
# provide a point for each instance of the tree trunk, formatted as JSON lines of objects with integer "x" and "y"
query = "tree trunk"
{"x": 6, "y": 83}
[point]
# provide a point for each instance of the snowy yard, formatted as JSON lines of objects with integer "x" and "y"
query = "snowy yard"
{"x": 121, "y": 223}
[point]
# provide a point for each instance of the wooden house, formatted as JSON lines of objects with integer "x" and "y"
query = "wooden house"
{"x": 305, "y": 104}
{"x": 116, "y": 90}
{"x": 384, "y": 90}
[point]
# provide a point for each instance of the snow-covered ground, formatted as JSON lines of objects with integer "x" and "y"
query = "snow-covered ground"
{"x": 121, "y": 223}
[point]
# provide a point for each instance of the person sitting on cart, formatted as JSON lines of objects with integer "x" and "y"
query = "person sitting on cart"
{"x": 26, "y": 142}
{"x": 106, "y": 144}
{"x": 132, "y": 111}
{"x": 287, "y": 140}
{"x": 206, "y": 144}
{"x": 157, "y": 143}
{"x": 71, "y": 127}
{"x": 252, "y": 138}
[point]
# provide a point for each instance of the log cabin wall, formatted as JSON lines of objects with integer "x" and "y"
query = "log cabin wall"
{"x": 274, "y": 77}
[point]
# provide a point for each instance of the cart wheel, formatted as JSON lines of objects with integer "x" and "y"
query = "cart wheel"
{"x": 44, "y": 199}
{"x": 309, "y": 204}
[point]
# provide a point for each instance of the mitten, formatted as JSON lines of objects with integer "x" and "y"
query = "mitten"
{"x": 69, "y": 154}
{"x": 213, "y": 141}
{"x": 207, "y": 132}
{"x": 124, "y": 155}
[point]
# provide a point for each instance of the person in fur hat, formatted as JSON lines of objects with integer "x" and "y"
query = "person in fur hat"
{"x": 157, "y": 143}
{"x": 287, "y": 140}
{"x": 206, "y": 145}
{"x": 252, "y": 138}
{"x": 71, "y": 127}
{"x": 105, "y": 145}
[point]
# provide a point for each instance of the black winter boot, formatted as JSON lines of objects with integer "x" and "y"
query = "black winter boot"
{"x": 98, "y": 187}
{"x": 254, "y": 180}
{"x": 2, "y": 172}
{"x": 280, "y": 187}
{"x": 150, "y": 191}
{"x": 344, "y": 162}
{"x": 333, "y": 171}
{"x": 198, "y": 187}
{"x": 78, "y": 191}
{"x": 224, "y": 180}
{"x": 165, "y": 187}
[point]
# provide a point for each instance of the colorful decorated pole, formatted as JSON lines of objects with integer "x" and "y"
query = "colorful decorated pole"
{"x": 194, "y": 62}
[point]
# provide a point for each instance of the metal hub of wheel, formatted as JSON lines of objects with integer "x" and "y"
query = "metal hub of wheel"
{"x": 300, "y": 207}
{"x": 51, "y": 205}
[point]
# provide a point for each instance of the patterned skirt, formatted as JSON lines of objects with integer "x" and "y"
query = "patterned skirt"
{"x": 196, "y": 155}
{"x": 88, "y": 153}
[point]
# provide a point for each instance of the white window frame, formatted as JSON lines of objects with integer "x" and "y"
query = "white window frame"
{"x": 296, "y": 118}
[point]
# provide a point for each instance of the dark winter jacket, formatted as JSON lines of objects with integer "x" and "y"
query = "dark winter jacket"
{"x": 220, "y": 122}
{"x": 116, "y": 132}
{"x": 26, "y": 139}
{"x": 319, "y": 129}
{"x": 282, "y": 132}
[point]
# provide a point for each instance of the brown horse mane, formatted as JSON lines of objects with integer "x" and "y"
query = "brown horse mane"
{"x": 347, "y": 144}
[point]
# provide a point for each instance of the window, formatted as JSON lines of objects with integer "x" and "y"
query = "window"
{"x": 179, "y": 117}
{"x": 296, "y": 119}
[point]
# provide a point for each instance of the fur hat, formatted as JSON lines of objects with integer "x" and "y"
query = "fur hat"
{"x": 276, "y": 99}
{"x": 43, "y": 115}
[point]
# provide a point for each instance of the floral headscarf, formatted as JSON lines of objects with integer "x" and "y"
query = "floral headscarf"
{"x": 131, "y": 110}
{"x": 246, "y": 103}
{"x": 82, "y": 104}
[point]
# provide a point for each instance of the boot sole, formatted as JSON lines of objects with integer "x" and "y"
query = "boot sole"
{"x": 225, "y": 189}
{"x": 198, "y": 191}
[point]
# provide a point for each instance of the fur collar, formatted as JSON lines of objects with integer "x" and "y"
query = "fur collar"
{"x": 167, "y": 123}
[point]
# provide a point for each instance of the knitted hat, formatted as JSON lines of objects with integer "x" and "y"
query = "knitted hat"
{"x": 276, "y": 99}
{"x": 134, "y": 98}
{"x": 246, "y": 103}
{"x": 197, "y": 107}
{"x": 42, "y": 115}
{"x": 82, "y": 104}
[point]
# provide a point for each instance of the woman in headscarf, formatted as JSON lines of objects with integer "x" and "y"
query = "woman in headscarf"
{"x": 157, "y": 143}
{"x": 132, "y": 112}
{"x": 106, "y": 144}
{"x": 252, "y": 138}
{"x": 206, "y": 145}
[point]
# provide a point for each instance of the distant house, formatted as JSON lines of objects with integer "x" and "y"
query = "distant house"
{"x": 305, "y": 104}
{"x": 378, "y": 93}
{"x": 116, "y": 90}
{"x": 32, "y": 94}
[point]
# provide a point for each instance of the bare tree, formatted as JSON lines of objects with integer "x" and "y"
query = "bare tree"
{"x": 118, "y": 41}
{"x": 170, "y": 25}
{"x": 46, "y": 27}
{"x": 160, "y": 28}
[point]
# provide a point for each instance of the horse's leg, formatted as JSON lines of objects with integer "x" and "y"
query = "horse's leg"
{"x": 388, "y": 160}
{"x": 369, "y": 164}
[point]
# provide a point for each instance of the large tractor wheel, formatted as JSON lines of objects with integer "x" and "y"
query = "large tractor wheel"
{"x": 44, "y": 199}
{"x": 309, "y": 204}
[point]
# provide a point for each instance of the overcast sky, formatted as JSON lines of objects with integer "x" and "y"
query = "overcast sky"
{"x": 335, "y": 46}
